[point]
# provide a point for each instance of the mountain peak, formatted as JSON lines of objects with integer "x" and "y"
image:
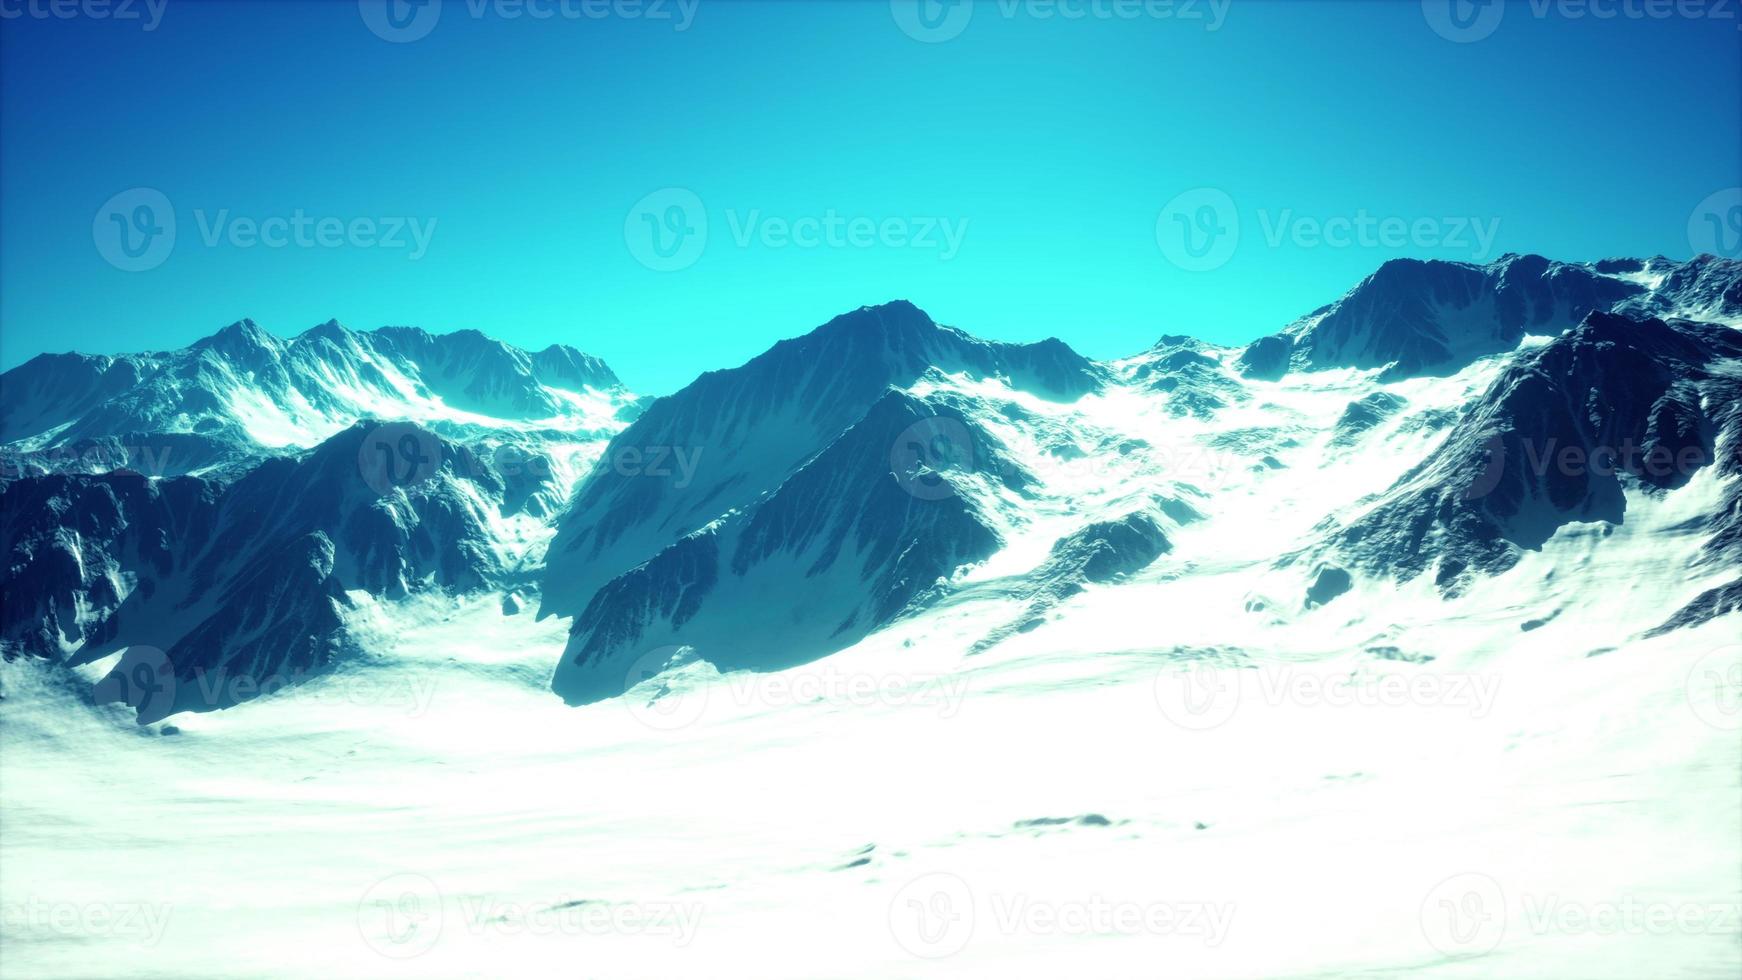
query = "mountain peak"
{"x": 897, "y": 317}
{"x": 330, "y": 330}
{"x": 244, "y": 337}
{"x": 577, "y": 368}
{"x": 243, "y": 329}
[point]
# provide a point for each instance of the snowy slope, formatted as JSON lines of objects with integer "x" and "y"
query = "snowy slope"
{"x": 944, "y": 657}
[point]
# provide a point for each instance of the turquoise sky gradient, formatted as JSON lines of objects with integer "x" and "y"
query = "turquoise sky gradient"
{"x": 1049, "y": 145}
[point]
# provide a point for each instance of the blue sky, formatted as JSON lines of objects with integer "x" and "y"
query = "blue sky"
{"x": 509, "y": 173}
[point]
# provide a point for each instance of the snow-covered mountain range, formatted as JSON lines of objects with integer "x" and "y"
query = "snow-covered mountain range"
{"x": 1424, "y": 605}
{"x": 242, "y": 392}
{"x": 226, "y": 503}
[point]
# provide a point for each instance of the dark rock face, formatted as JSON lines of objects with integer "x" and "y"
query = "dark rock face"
{"x": 746, "y": 430}
{"x": 1617, "y": 399}
{"x": 1724, "y": 549}
{"x": 529, "y": 479}
{"x": 48, "y": 389}
{"x": 148, "y": 454}
{"x": 1266, "y": 359}
{"x": 244, "y": 583}
{"x": 1363, "y": 415}
{"x": 1413, "y": 317}
{"x": 1708, "y": 605}
{"x": 671, "y": 587}
{"x": 1328, "y": 583}
{"x": 73, "y": 543}
{"x": 1704, "y": 287}
{"x": 1107, "y": 550}
{"x": 1098, "y": 553}
{"x": 847, "y": 544}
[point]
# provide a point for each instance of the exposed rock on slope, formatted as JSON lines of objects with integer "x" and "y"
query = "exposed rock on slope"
{"x": 245, "y": 581}
{"x": 732, "y": 436}
{"x": 1616, "y": 401}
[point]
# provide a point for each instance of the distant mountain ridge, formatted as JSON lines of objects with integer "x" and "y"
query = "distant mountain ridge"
{"x": 1414, "y": 316}
{"x": 244, "y": 389}
{"x": 874, "y": 469}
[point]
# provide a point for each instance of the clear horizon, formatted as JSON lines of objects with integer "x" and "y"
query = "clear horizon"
{"x": 629, "y": 383}
{"x": 673, "y": 192}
